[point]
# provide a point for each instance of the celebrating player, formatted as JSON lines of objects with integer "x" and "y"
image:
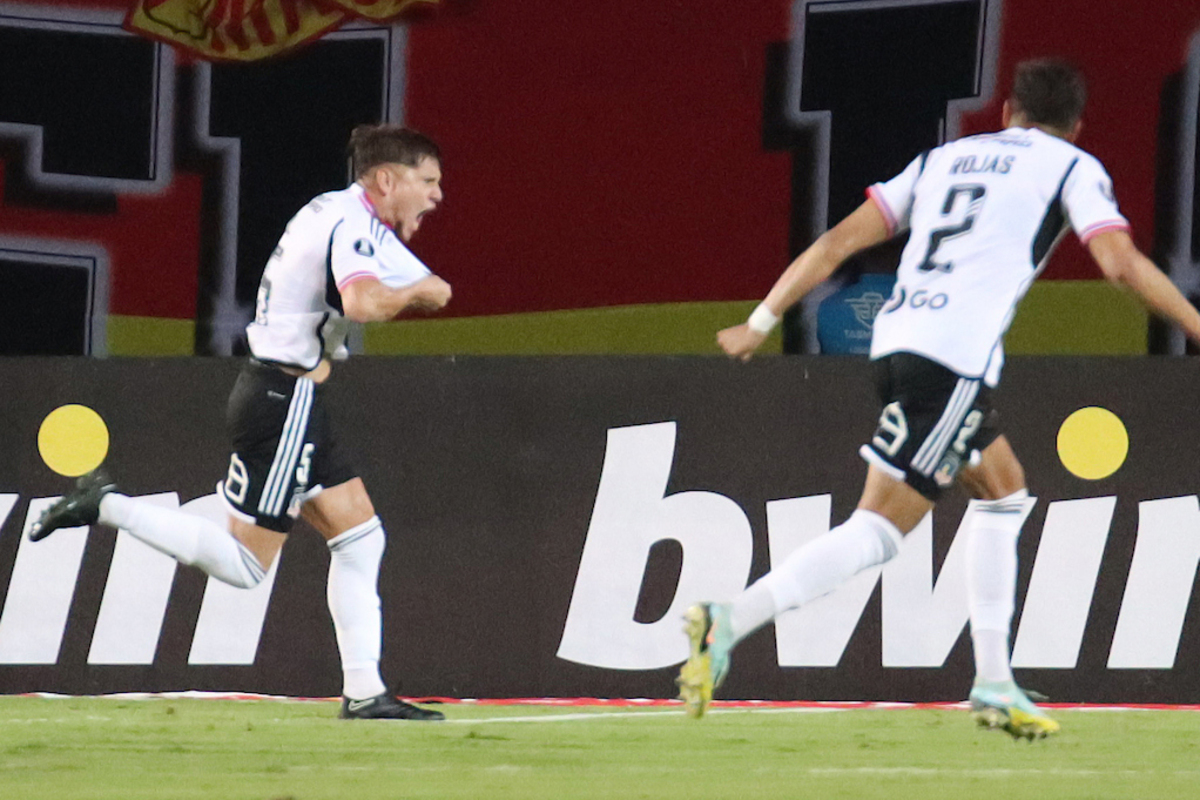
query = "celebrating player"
{"x": 983, "y": 214}
{"x": 342, "y": 257}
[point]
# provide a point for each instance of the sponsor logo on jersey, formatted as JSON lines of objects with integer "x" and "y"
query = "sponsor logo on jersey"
{"x": 364, "y": 248}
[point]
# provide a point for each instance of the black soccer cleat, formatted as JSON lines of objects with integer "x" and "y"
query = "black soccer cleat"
{"x": 80, "y": 507}
{"x": 386, "y": 706}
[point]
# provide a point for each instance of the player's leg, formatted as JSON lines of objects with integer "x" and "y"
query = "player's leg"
{"x": 239, "y": 556}
{"x": 871, "y": 536}
{"x": 917, "y": 450}
{"x": 993, "y": 525}
{"x": 887, "y": 510}
{"x": 345, "y": 516}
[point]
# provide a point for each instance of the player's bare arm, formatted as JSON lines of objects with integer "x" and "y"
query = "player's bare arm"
{"x": 368, "y": 300}
{"x": 1124, "y": 265}
{"x": 863, "y": 228}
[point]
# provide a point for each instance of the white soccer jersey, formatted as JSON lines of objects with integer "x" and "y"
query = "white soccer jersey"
{"x": 333, "y": 241}
{"x": 984, "y": 213}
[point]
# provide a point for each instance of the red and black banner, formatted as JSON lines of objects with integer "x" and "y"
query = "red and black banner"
{"x": 603, "y": 154}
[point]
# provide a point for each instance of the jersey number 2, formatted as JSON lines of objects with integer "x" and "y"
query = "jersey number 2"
{"x": 965, "y": 221}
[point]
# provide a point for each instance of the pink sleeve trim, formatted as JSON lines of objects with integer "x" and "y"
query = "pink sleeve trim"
{"x": 889, "y": 217}
{"x": 355, "y": 276}
{"x": 1102, "y": 227}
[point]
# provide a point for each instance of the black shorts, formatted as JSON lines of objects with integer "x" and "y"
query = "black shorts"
{"x": 284, "y": 448}
{"x": 933, "y": 422}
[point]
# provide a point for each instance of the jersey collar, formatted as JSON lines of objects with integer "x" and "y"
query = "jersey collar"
{"x": 361, "y": 191}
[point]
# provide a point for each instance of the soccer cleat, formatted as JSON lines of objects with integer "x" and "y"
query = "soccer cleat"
{"x": 709, "y": 642}
{"x": 386, "y": 706}
{"x": 80, "y": 507}
{"x": 1003, "y": 706}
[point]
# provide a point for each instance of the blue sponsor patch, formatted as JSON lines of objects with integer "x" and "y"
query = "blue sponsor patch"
{"x": 364, "y": 248}
{"x": 846, "y": 318}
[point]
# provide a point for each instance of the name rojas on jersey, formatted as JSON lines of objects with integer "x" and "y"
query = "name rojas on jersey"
{"x": 333, "y": 241}
{"x": 984, "y": 213}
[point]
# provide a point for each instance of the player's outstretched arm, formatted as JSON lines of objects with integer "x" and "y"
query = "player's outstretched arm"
{"x": 368, "y": 300}
{"x": 1124, "y": 265}
{"x": 864, "y": 228}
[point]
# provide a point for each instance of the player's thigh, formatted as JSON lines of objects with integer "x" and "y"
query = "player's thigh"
{"x": 264, "y": 543}
{"x": 998, "y": 474}
{"x": 339, "y": 508}
{"x": 893, "y": 499}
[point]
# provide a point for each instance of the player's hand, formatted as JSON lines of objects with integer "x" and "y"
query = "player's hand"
{"x": 431, "y": 293}
{"x": 740, "y": 342}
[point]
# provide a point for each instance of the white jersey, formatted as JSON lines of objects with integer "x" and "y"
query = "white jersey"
{"x": 333, "y": 241}
{"x": 984, "y": 214}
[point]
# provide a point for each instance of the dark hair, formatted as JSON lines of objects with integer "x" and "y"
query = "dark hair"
{"x": 372, "y": 145}
{"x": 1050, "y": 92}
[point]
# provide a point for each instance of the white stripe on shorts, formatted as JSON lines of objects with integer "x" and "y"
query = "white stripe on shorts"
{"x": 288, "y": 451}
{"x": 934, "y": 446}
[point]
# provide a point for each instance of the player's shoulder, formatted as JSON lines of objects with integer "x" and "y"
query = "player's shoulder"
{"x": 344, "y": 201}
{"x": 329, "y": 209}
{"x": 1047, "y": 143}
{"x": 1088, "y": 162}
{"x": 1046, "y": 153}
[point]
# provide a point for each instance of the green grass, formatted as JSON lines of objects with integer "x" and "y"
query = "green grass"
{"x": 269, "y": 750}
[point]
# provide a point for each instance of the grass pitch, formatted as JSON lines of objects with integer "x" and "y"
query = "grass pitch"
{"x": 272, "y": 750}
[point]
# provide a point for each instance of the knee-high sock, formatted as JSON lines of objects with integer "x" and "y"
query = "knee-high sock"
{"x": 992, "y": 530}
{"x": 354, "y": 558}
{"x": 865, "y": 540}
{"x": 185, "y": 537}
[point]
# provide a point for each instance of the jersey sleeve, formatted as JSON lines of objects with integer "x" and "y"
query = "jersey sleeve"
{"x": 894, "y": 197}
{"x": 354, "y": 251}
{"x": 363, "y": 247}
{"x": 399, "y": 265}
{"x": 1090, "y": 202}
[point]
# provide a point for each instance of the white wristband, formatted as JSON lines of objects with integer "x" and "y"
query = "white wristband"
{"x": 762, "y": 320}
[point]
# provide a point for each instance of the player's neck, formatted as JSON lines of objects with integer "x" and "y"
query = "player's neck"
{"x": 1018, "y": 122}
{"x": 371, "y": 197}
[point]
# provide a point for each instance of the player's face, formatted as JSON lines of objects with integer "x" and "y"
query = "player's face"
{"x": 408, "y": 194}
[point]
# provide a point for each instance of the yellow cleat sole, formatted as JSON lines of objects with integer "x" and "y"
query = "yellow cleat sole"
{"x": 695, "y": 679}
{"x": 1016, "y": 723}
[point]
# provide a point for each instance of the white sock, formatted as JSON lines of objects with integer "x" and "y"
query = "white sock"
{"x": 185, "y": 537}
{"x": 750, "y": 610}
{"x": 992, "y": 532}
{"x": 820, "y": 566}
{"x": 354, "y": 558}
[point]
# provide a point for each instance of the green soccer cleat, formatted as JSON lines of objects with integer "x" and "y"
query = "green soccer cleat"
{"x": 1003, "y": 706}
{"x": 710, "y": 639}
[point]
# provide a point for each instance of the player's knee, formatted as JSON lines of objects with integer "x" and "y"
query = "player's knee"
{"x": 887, "y": 537}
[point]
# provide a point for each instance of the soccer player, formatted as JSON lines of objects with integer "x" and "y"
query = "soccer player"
{"x": 983, "y": 214}
{"x": 342, "y": 257}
